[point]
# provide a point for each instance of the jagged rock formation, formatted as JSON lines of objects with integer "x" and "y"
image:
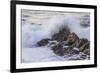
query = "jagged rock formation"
{"x": 62, "y": 35}
{"x": 66, "y": 43}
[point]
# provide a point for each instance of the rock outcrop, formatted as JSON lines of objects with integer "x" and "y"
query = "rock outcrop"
{"x": 66, "y": 43}
{"x": 43, "y": 42}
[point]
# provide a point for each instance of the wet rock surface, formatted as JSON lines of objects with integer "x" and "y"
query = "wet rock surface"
{"x": 43, "y": 42}
{"x": 67, "y": 44}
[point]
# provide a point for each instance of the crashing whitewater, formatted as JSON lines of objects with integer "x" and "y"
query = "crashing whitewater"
{"x": 33, "y": 32}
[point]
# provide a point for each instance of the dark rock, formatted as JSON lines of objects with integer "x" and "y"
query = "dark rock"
{"x": 43, "y": 42}
{"x": 68, "y": 49}
{"x": 58, "y": 49}
{"x": 72, "y": 41}
{"x": 72, "y": 37}
{"x": 83, "y": 56}
{"x": 82, "y": 41}
{"x": 73, "y": 51}
{"x": 52, "y": 43}
{"x": 61, "y": 35}
{"x": 86, "y": 51}
{"x": 66, "y": 43}
{"x": 84, "y": 46}
{"x": 59, "y": 45}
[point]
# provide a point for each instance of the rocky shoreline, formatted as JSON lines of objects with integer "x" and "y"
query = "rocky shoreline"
{"x": 67, "y": 44}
